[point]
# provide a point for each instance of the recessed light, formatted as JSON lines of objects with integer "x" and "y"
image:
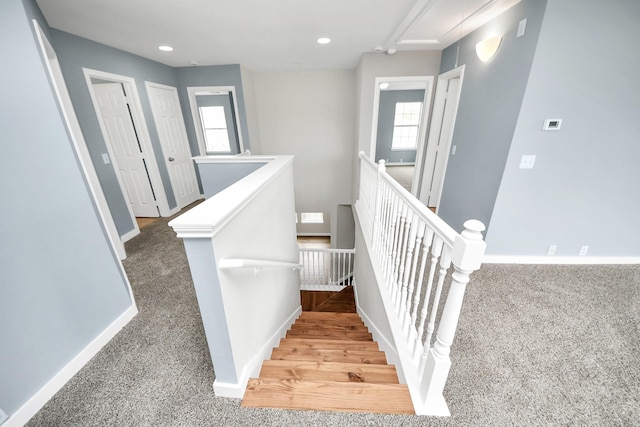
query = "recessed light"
{"x": 324, "y": 40}
{"x": 165, "y": 48}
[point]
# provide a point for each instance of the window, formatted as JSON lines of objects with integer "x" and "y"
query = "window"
{"x": 312, "y": 218}
{"x": 406, "y": 124}
{"x": 214, "y": 124}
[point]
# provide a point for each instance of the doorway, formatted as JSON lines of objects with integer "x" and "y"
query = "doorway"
{"x": 119, "y": 113}
{"x": 401, "y": 108}
{"x": 439, "y": 147}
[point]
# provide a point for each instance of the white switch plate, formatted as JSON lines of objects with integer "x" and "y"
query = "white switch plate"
{"x": 105, "y": 158}
{"x": 3, "y": 416}
{"x": 453, "y": 150}
{"x": 527, "y": 162}
{"x": 552, "y": 250}
{"x": 584, "y": 250}
{"x": 521, "y": 28}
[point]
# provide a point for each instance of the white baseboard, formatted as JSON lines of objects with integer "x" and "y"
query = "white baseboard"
{"x": 252, "y": 369}
{"x": 130, "y": 235}
{"x": 548, "y": 259}
{"x": 42, "y": 396}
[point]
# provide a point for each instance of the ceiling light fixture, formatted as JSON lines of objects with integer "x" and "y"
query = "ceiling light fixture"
{"x": 486, "y": 49}
{"x": 384, "y": 85}
{"x": 165, "y": 48}
{"x": 324, "y": 40}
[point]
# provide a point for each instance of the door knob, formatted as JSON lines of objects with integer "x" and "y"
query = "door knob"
{"x": 171, "y": 159}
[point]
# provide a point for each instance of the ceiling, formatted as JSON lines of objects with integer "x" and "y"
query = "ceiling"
{"x": 270, "y": 35}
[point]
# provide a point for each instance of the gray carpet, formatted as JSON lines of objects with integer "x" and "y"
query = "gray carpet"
{"x": 402, "y": 174}
{"x": 537, "y": 345}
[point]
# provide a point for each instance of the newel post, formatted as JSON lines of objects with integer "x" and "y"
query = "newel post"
{"x": 468, "y": 250}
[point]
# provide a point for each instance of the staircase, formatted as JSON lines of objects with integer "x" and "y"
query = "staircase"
{"x": 329, "y": 362}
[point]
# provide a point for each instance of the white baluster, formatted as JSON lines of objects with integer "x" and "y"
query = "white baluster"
{"x": 445, "y": 263}
{"x": 426, "y": 244}
{"x": 397, "y": 254}
{"x": 467, "y": 253}
{"x": 417, "y": 235}
{"x": 436, "y": 250}
{"x": 378, "y": 203}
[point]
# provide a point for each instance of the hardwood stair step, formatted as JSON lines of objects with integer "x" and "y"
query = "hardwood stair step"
{"x": 328, "y": 396}
{"x": 327, "y": 344}
{"x": 321, "y": 355}
{"x": 343, "y": 301}
{"x": 328, "y": 371}
{"x": 328, "y": 315}
{"x": 328, "y": 327}
{"x": 334, "y": 335}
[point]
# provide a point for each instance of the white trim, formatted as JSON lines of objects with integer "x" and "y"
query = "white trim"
{"x": 569, "y": 260}
{"x": 141, "y": 129}
{"x": 424, "y": 121}
{"x": 131, "y": 234}
{"x": 252, "y": 369}
{"x": 330, "y": 288}
{"x": 195, "y": 115}
{"x": 42, "y": 396}
{"x": 77, "y": 138}
{"x": 314, "y": 234}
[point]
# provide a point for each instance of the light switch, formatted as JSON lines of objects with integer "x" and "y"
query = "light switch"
{"x": 527, "y": 162}
{"x": 105, "y": 158}
{"x": 453, "y": 150}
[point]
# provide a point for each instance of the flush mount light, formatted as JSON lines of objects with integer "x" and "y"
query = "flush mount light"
{"x": 165, "y": 48}
{"x": 324, "y": 40}
{"x": 486, "y": 49}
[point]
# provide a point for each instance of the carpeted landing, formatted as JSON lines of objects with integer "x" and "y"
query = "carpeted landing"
{"x": 537, "y": 345}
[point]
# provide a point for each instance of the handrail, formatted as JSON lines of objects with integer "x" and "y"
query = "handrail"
{"x": 235, "y": 263}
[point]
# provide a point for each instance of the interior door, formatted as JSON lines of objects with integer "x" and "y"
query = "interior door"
{"x": 444, "y": 115}
{"x": 167, "y": 115}
{"x": 126, "y": 152}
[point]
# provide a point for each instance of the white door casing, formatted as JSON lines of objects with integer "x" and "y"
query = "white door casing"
{"x": 125, "y": 150}
{"x": 440, "y": 135}
{"x": 172, "y": 133}
{"x": 77, "y": 138}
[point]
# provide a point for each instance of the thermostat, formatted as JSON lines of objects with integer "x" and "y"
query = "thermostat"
{"x": 552, "y": 124}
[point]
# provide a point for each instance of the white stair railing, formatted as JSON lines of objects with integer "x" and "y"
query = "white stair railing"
{"x": 421, "y": 264}
{"x": 325, "y": 269}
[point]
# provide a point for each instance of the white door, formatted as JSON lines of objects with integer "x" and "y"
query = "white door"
{"x": 126, "y": 151}
{"x": 167, "y": 115}
{"x": 441, "y": 133}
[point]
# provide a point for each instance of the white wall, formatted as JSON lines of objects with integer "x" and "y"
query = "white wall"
{"x": 584, "y": 188}
{"x": 310, "y": 114}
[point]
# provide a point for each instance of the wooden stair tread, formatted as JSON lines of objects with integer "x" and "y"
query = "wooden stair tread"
{"x": 328, "y": 371}
{"x": 321, "y": 327}
{"x": 328, "y": 344}
{"x": 328, "y": 315}
{"x": 334, "y": 335}
{"x": 328, "y": 396}
{"x": 320, "y": 355}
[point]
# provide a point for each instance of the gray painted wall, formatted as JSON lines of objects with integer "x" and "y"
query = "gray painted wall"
{"x": 386, "y": 117}
{"x": 218, "y": 176}
{"x": 76, "y": 53}
{"x": 61, "y": 281}
{"x": 488, "y": 111}
{"x": 584, "y": 188}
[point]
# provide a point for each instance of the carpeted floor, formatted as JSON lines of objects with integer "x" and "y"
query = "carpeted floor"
{"x": 537, "y": 345}
{"x": 403, "y": 174}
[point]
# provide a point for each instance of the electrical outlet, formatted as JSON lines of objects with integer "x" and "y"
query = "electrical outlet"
{"x": 527, "y": 162}
{"x": 453, "y": 150}
{"x": 3, "y": 416}
{"x": 105, "y": 158}
{"x": 552, "y": 250}
{"x": 584, "y": 250}
{"x": 521, "y": 28}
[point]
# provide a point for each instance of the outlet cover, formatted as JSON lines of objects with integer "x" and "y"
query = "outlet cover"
{"x": 527, "y": 162}
{"x": 552, "y": 250}
{"x": 3, "y": 416}
{"x": 521, "y": 28}
{"x": 584, "y": 250}
{"x": 105, "y": 158}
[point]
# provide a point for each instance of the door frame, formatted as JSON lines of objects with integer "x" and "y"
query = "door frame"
{"x": 192, "y": 91}
{"x": 194, "y": 176}
{"x": 436, "y": 125}
{"x": 426, "y": 83}
{"x": 77, "y": 138}
{"x": 142, "y": 130}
